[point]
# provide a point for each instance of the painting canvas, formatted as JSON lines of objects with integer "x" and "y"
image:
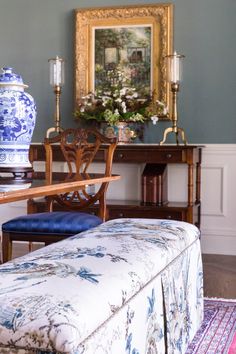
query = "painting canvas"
{"x": 122, "y": 56}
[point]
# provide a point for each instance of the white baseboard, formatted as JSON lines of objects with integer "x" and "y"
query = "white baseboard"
{"x": 218, "y": 241}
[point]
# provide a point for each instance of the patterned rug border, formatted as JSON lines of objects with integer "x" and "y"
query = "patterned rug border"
{"x": 217, "y": 334}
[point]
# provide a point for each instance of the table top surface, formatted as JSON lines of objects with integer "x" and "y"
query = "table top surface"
{"x": 12, "y": 190}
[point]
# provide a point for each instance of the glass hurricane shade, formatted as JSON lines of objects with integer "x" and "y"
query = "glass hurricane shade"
{"x": 57, "y": 72}
{"x": 174, "y": 67}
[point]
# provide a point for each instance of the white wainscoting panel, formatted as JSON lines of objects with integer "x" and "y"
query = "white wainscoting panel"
{"x": 218, "y": 221}
{"x": 214, "y": 193}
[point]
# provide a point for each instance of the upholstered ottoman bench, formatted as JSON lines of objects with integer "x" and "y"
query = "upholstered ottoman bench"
{"x": 127, "y": 286}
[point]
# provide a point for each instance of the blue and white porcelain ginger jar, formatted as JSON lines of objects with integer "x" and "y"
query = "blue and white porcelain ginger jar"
{"x": 17, "y": 122}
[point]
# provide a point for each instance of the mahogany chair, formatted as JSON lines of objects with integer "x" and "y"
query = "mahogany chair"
{"x": 79, "y": 147}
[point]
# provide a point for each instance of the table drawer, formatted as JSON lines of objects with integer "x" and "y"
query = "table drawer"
{"x": 121, "y": 155}
{"x": 169, "y": 156}
{"x": 152, "y": 156}
{"x": 150, "y": 214}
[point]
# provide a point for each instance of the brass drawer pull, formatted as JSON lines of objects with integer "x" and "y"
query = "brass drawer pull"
{"x": 169, "y": 156}
{"x": 120, "y": 215}
{"x": 121, "y": 155}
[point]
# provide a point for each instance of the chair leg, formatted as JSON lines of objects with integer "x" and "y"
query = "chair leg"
{"x": 30, "y": 246}
{"x": 6, "y": 247}
{"x": 102, "y": 208}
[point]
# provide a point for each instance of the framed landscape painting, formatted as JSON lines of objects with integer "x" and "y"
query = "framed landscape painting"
{"x": 125, "y": 46}
{"x": 122, "y": 54}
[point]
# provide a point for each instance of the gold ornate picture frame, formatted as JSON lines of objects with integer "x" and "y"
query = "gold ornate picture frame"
{"x": 147, "y": 35}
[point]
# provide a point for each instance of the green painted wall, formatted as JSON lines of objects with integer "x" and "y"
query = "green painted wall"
{"x": 31, "y": 31}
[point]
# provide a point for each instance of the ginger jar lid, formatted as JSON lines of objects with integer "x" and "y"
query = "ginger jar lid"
{"x": 9, "y": 78}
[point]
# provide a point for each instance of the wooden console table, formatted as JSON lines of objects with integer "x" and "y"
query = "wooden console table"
{"x": 151, "y": 153}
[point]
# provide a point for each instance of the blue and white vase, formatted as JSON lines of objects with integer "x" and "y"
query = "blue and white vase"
{"x": 17, "y": 122}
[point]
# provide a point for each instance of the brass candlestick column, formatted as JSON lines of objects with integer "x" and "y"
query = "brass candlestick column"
{"x": 174, "y": 75}
{"x": 56, "y": 80}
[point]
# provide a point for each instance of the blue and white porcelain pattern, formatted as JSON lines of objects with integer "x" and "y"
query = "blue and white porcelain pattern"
{"x": 17, "y": 121}
{"x": 128, "y": 286}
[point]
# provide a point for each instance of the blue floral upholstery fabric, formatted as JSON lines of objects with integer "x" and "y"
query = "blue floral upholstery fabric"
{"x": 128, "y": 286}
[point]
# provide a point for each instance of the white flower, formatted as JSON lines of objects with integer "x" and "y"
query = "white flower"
{"x": 123, "y": 105}
{"x": 105, "y": 99}
{"x": 123, "y": 91}
{"x": 154, "y": 119}
{"x": 165, "y": 110}
{"x": 162, "y": 105}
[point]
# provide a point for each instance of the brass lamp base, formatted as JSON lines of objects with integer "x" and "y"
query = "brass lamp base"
{"x": 174, "y": 119}
{"x": 57, "y": 116}
{"x": 177, "y": 131}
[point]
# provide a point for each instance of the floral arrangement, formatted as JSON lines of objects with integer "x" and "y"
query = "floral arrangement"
{"x": 118, "y": 105}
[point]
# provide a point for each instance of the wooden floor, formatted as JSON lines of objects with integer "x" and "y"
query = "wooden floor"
{"x": 219, "y": 276}
{"x": 219, "y": 273}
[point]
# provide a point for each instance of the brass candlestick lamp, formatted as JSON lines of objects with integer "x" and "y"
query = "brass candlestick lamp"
{"x": 57, "y": 81}
{"x": 174, "y": 70}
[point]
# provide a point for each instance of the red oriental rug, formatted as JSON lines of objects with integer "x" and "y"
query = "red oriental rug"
{"x": 217, "y": 334}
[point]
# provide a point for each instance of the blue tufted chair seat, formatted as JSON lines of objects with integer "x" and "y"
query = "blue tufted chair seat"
{"x": 49, "y": 223}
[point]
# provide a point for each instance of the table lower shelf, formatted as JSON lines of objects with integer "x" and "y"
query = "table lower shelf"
{"x": 135, "y": 209}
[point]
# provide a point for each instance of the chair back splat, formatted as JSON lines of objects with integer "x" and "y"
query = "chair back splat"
{"x": 78, "y": 148}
